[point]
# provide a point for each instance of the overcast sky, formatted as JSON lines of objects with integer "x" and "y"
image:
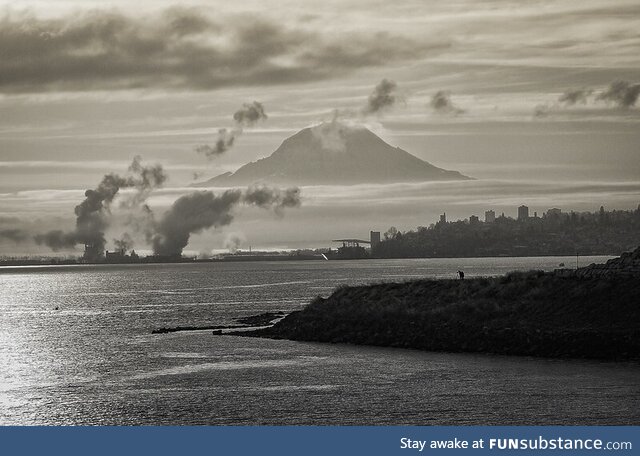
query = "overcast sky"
{"x": 537, "y": 100}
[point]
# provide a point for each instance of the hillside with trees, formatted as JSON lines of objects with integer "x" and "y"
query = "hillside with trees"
{"x": 555, "y": 233}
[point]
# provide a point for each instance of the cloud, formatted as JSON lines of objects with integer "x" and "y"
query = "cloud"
{"x": 382, "y": 97}
{"x": 621, "y": 93}
{"x": 181, "y": 48}
{"x": 331, "y": 135}
{"x": 441, "y": 104}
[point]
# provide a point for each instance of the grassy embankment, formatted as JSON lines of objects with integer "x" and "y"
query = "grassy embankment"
{"x": 534, "y": 313}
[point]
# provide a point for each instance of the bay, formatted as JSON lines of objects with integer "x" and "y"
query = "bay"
{"x": 76, "y": 348}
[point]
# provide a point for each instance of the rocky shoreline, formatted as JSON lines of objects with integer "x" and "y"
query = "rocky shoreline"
{"x": 547, "y": 314}
{"x": 252, "y": 321}
{"x": 627, "y": 265}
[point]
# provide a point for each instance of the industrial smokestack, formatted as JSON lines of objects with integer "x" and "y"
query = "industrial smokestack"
{"x": 92, "y": 214}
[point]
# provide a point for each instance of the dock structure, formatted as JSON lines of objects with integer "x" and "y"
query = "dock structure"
{"x": 351, "y": 249}
{"x": 351, "y": 242}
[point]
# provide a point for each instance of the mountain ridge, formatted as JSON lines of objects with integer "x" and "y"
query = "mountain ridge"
{"x": 333, "y": 154}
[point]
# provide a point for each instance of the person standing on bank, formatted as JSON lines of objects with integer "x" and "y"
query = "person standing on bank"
{"x": 461, "y": 274}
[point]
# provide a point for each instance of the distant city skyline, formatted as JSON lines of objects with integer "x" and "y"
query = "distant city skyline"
{"x": 519, "y": 213}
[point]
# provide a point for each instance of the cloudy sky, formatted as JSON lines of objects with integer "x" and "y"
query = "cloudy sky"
{"x": 538, "y": 101}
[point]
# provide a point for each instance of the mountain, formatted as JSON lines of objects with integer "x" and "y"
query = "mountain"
{"x": 334, "y": 153}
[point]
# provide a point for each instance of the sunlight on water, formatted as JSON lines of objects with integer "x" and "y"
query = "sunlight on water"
{"x": 222, "y": 365}
{"x": 76, "y": 348}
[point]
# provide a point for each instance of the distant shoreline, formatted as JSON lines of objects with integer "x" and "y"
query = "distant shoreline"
{"x": 34, "y": 266}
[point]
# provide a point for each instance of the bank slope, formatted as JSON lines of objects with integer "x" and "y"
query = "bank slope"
{"x": 535, "y": 313}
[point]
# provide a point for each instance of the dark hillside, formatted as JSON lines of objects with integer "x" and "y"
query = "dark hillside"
{"x": 535, "y": 313}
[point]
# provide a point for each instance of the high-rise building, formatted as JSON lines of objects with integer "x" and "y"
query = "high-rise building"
{"x": 523, "y": 212}
{"x": 489, "y": 216}
{"x": 374, "y": 237}
{"x": 474, "y": 220}
{"x": 443, "y": 218}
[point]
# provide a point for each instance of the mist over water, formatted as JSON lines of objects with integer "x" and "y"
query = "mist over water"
{"x": 95, "y": 361}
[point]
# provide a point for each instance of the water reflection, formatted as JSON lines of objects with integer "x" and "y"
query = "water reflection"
{"x": 94, "y": 361}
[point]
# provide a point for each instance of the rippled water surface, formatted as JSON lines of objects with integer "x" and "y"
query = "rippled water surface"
{"x": 95, "y": 361}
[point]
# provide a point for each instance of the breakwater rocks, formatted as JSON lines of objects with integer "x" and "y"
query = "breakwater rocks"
{"x": 534, "y": 314}
{"x": 262, "y": 319}
{"x": 627, "y": 265}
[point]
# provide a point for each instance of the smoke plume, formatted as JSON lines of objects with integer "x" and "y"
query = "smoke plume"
{"x": 142, "y": 221}
{"x": 145, "y": 180}
{"x": 57, "y": 239}
{"x": 250, "y": 114}
{"x": 224, "y": 142}
{"x": 247, "y": 116}
{"x": 14, "y": 235}
{"x": 331, "y": 135}
{"x": 92, "y": 214}
{"x": 198, "y": 211}
{"x": 233, "y": 241}
{"x": 575, "y": 96}
{"x": 621, "y": 93}
{"x": 441, "y": 103}
{"x": 124, "y": 243}
{"x": 541, "y": 111}
{"x": 382, "y": 97}
{"x": 272, "y": 198}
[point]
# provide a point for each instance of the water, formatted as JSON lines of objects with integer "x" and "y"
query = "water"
{"x": 95, "y": 361}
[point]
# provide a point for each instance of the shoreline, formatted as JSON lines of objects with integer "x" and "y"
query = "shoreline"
{"x": 242, "y": 323}
{"x": 49, "y": 267}
{"x": 523, "y": 314}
